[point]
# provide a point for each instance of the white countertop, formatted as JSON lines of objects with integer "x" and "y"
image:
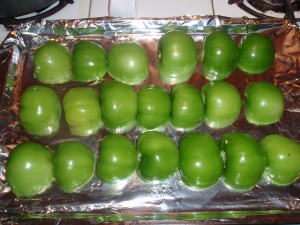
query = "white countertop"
{"x": 142, "y": 8}
{"x": 167, "y": 8}
{"x": 153, "y": 8}
{"x": 3, "y": 33}
{"x": 80, "y": 9}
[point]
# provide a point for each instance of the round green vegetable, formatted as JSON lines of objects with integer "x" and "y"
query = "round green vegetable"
{"x": 187, "y": 106}
{"x": 264, "y": 103}
{"x": 283, "y": 157}
{"x": 177, "y": 57}
{"x": 257, "y": 53}
{"x": 118, "y": 106}
{"x": 159, "y": 156}
{"x": 53, "y": 63}
{"x": 73, "y": 166}
{"x": 40, "y": 110}
{"x": 222, "y": 104}
{"x": 154, "y": 107}
{"x": 29, "y": 169}
{"x": 82, "y": 111}
{"x": 200, "y": 160}
{"x": 219, "y": 55}
{"x": 117, "y": 159}
{"x": 88, "y": 61}
{"x": 245, "y": 161}
{"x": 128, "y": 62}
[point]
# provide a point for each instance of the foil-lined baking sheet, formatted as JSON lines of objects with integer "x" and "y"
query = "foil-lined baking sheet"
{"x": 135, "y": 200}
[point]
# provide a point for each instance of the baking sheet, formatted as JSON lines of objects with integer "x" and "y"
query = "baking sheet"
{"x": 136, "y": 200}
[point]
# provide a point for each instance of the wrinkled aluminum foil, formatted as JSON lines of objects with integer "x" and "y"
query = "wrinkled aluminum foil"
{"x": 136, "y": 200}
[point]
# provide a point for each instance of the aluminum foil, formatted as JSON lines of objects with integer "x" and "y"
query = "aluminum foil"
{"x": 135, "y": 200}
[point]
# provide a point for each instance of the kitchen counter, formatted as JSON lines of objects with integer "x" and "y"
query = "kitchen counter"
{"x": 143, "y": 8}
{"x": 79, "y": 9}
{"x": 3, "y": 33}
{"x": 162, "y": 8}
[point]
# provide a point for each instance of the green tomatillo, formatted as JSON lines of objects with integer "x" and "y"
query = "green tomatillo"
{"x": 29, "y": 169}
{"x": 219, "y": 55}
{"x": 159, "y": 156}
{"x": 177, "y": 57}
{"x": 73, "y": 166}
{"x": 117, "y": 159}
{"x": 53, "y": 63}
{"x": 82, "y": 111}
{"x": 40, "y": 110}
{"x": 200, "y": 160}
{"x": 245, "y": 162}
{"x": 264, "y": 103}
{"x": 283, "y": 157}
{"x": 154, "y": 107}
{"x": 88, "y": 61}
{"x": 118, "y": 106}
{"x": 128, "y": 62}
{"x": 222, "y": 104}
{"x": 187, "y": 107}
{"x": 257, "y": 53}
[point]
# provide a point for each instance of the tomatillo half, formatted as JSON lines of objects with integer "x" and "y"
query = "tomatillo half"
{"x": 128, "y": 62}
{"x": 40, "y": 110}
{"x": 245, "y": 162}
{"x": 257, "y": 53}
{"x": 219, "y": 55}
{"x": 82, "y": 111}
{"x": 29, "y": 169}
{"x": 177, "y": 57}
{"x": 73, "y": 166}
{"x": 200, "y": 160}
{"x": 187, "y": 107}
{"x": 118, "y": 106}
{"x": 154, "y": 107}
{"x": 118, "y": 159}
{"x": 283, "y": 157}
{"x": 159, "y": 156}
{"x": 88, "y": 61}
{"x": 53, "y": 63}
{"x": 222, "y": 103}
{"x": 264, "y": 103}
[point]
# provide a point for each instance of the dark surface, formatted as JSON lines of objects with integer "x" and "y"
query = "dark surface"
{"x": 274, "y": 5}
{"x": 29, "y": 10}
{"x": 287, "y": 7}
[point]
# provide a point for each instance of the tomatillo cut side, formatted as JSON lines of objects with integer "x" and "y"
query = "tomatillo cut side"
{"x": 53, "y": 63}
{"x": 29, "y": 169}
{"x": 73, "y": 166}
{"x": 219, "y": 55}
{"x": 245, "y": 162}
{"x": 88, "y": 61}
{"x": 118, "y": 106}
{"x": 177, "y": 57}
{"x": 200, "y": 161}
{"x": 40, "y": 110}
{"x": 82, "y": 111}
{"x": 283, "y": 157}
{"x": 118, "y": 159}
{"x": 128, "y": 62}
{"x": 154, "y": 107}
{"x": 187, "y": 107}
{"x": 159, "y": 156}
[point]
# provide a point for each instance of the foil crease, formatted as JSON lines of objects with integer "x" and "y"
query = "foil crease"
{"x": 135, "y": 200}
